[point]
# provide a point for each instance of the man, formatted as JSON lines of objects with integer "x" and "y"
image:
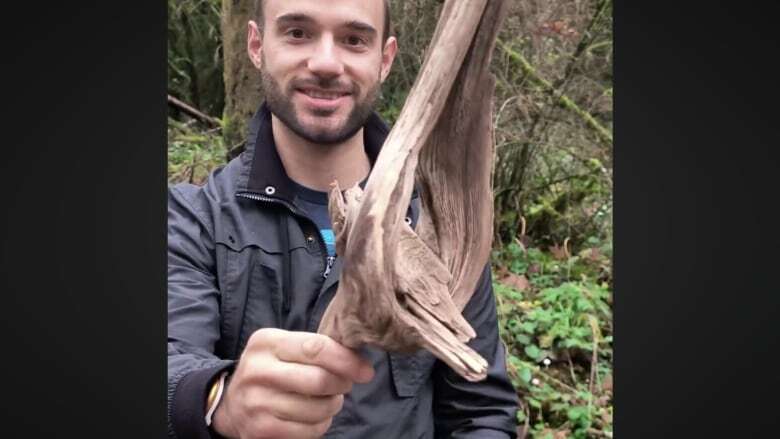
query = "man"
{"x": 251, "y": 265}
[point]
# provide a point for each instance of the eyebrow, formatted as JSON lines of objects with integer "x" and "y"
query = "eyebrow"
{"x": 299, "y": 17}
{"x": 294, "y": 17}
{"x": 361, "y": 27}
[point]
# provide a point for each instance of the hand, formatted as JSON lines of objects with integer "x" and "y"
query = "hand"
{"x": 288, "y": 385}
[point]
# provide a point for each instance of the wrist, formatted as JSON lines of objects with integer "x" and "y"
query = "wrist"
{"x": 214, "y": 397}
{"x": 220, "y": 421}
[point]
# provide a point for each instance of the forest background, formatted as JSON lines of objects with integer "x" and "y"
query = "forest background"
{"x": 553, "y": 116}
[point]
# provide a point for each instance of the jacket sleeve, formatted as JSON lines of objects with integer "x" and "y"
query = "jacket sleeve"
{"x": 485, "y": 409}
{"x": 193, "y": 315}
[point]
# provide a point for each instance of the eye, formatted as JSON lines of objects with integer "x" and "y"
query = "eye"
{"x": 296, "y": 34}
{"x": 354, "y": 40}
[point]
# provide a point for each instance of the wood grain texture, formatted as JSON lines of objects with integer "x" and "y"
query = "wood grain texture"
{"x": 402, "y": 289}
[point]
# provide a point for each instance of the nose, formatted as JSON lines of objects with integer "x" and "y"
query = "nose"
{"x": 325, "y": 61}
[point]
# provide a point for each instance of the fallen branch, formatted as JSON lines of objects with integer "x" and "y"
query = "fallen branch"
{"x": 193, "y": 112}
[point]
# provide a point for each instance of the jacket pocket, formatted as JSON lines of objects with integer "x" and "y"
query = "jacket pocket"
{"x": 410, "y": 371}
{"x": 263, "y": 303}
{"x": 250, "y": 291}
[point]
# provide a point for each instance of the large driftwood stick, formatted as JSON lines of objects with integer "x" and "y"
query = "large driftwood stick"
{"x": 400, "y": 289}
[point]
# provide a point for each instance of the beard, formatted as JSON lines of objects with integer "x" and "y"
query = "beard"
{"x": 281, "y": 105}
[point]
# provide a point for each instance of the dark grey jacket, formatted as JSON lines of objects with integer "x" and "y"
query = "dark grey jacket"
{"x": 242, "y": 256}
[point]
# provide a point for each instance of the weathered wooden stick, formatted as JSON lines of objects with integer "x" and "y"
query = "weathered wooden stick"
{"x": 400, "y": 289}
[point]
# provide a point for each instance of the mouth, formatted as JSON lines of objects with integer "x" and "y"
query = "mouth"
{"x": 319, "y": 94}
{"x": 323, "y": 95}
{"x": 323, "y": 102}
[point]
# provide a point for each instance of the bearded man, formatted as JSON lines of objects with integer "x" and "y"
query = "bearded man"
{"x": 252, "y": 264}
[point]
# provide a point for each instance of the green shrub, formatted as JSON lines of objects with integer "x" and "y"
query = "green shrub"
{"x": 192, "y": 153}
{"x": 555, "y": 319}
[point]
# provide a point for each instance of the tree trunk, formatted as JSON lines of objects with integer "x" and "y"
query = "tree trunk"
{"x": 243, "y": 93}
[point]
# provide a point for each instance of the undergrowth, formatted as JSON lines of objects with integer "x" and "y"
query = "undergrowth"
{"x": 193, "y": 152}
{"x": 555, "y": 319}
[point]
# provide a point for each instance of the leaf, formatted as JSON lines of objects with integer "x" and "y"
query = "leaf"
{"x": 558, "y": 252}
{"x": 558, "y": 25}
{"x": 534, "y": 403}
{"x": 583, "y": 304}
{"x": 519, "y": 266}
{"x": 518, "y": 282}
{"x": 559, "y": 406}
{"x": 525, "y": 375}
{"x": 546, "y": 340}
{"x": 574, "y": 413}
{"x": 528, "y": 327}
{"x": 606, "y": 383}
{"x": 533, "y": 352}
{"x": 592, "y": 254}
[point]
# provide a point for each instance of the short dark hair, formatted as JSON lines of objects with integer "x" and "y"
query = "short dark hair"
{"x": 385, "y": 32}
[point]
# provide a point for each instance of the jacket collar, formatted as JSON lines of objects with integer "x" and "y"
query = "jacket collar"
{"x": 262, "y": 171}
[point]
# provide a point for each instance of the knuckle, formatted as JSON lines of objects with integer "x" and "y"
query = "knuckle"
{"x": 264, "y": 375}
{"x": 252, "y": 361}
{"x": 267, "y": 427}
{"x": 257, "y": 369}
{"x": 335, "y": 405}
{"x": 255, "y": 339}
{"x": 321, "y": 428}
{"x": 258, "y": 400}
{"x": 262, "y": 337}
{"x": 321, "y": 382}
{"x": 341, "y": 385}
{"x": 312, "y": 347}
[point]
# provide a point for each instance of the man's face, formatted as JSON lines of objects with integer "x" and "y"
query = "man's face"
{"x": 321, "y": 63}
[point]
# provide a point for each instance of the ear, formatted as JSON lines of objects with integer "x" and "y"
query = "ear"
{"x": 388, "y": 55}
{"x": 254, "y": 44}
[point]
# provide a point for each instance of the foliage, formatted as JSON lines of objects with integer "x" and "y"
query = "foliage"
{"x": 192, "y": 152}
{"x": 195, "y": 56}
{"x": 555, "y": 318}
{"x": 553, "y": 65}
{"x": 413, "y": 25}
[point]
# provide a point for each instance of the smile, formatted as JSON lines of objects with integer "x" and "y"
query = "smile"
{"x": 323, "y": 94}
{"x": 323, "y": 100}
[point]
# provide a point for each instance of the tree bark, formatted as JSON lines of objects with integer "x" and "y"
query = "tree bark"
{"x": 243, "y": 93}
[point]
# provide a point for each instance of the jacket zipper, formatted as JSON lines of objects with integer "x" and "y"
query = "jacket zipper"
{"x": 328, "y": 265}
{"x": 294, "y": 210}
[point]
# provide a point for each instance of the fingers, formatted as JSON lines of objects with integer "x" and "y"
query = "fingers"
{"x": 304, "y": 379}
{"x": 314, "y": 349}
{"x": 294, "y": 407}
{"x": 280, "y": 428}
{"x": 289, "y": 384}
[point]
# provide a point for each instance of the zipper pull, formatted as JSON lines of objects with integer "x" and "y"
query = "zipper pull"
{"x": 328, "y": 265}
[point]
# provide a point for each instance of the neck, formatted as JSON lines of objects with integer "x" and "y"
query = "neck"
{"x": 316, "y": 166}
